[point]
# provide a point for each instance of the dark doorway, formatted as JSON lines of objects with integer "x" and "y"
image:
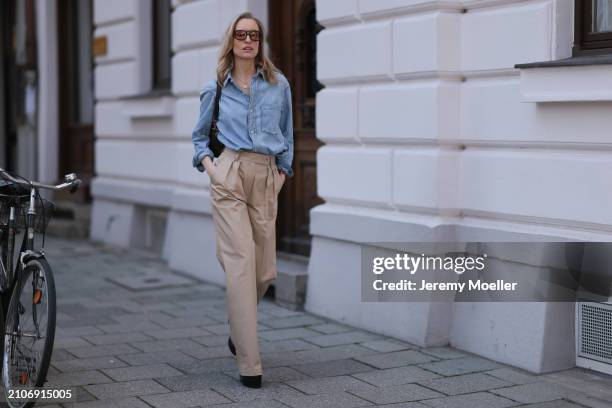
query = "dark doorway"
{"x": 8, "y": 131}
{"x": 18, "y": 77}
{"x": 292, "y": 39}
{"x": 76, "y": 93}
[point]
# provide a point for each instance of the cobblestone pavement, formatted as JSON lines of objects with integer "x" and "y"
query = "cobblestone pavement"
{"x": 122, "y": 341}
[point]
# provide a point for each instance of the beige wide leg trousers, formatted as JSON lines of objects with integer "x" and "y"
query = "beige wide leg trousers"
{"x": 244, "y": 190}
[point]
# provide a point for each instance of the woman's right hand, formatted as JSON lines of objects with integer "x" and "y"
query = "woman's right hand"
{"x": 208, "y": 164}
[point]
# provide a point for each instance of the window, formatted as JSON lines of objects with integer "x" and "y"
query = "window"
{"x": 593, "y": 27}
{"x": 162, "y": 54}
{"x": 82, "y": 99}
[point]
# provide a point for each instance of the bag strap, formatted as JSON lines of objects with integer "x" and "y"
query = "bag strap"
{"x": 217, "y": 98}
{"x": 215, "y": 145}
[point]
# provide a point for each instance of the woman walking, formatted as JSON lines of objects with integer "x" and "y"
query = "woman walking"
{"x": 255, "y": 126}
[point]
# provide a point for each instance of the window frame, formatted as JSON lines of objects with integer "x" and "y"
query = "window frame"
{"x": 586, "y": 43}
{"x": 160, "y": 81}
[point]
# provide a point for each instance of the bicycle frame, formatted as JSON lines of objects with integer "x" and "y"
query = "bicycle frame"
{"x": 20, "y": 365}
{"x": 27, "y": 245}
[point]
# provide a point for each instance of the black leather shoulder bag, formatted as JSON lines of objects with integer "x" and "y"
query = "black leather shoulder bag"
{"x": 214, "y": 144}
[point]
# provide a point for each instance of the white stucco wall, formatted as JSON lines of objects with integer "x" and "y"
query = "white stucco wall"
{"x": 423, "y": 112}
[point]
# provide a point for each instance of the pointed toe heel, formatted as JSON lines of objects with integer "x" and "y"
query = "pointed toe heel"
{"x": 251, "y": 381}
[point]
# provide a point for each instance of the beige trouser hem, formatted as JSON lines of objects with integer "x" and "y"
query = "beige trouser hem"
{"x": 244, "y": 189}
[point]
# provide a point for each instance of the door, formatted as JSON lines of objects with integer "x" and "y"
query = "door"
{"x": 76, "y": 154}
{"x": 8, "y": 129}
{"x": 292, "y": 40}
{"x": 18, "y": 73}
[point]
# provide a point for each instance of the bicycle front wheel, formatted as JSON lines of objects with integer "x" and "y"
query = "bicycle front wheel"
{"x": 29, "y": 330}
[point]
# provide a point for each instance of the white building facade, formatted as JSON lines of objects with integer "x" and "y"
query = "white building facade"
{"x": 430, "y": 132}
{"x": 432, "y": 135}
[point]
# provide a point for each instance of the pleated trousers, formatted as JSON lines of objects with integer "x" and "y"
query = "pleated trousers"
{"x": 244, "y": 191}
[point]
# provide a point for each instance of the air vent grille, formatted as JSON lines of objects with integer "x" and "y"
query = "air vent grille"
{"x": 595, "y": 331}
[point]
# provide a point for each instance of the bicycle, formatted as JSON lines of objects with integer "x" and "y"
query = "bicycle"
{"x": 27, "y": 284}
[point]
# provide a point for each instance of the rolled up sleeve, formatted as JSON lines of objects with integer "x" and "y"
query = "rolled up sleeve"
{"x": 200, "y": 134}
{"x": 285, "y": 159}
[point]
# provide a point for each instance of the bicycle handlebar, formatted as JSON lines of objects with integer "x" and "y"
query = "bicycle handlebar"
{"x": 70, "y": 181}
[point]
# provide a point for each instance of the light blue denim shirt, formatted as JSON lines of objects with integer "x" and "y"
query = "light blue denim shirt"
{"x": 260, "y": 122}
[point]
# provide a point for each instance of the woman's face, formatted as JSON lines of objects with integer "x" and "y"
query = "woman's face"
{"x": 247, "y": 48}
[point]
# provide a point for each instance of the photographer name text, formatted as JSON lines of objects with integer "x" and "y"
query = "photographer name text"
{"x": 423, "y": 285}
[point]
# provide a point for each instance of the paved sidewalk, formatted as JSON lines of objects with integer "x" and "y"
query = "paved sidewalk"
{"x": 122, "y": 341}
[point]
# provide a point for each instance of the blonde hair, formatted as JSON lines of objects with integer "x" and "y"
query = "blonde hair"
{"x": 226, "y": 53}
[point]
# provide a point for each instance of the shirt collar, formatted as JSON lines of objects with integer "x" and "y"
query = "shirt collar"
{"x": 259, "y": 72}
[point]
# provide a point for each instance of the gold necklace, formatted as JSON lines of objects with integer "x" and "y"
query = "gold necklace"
{"x": 245, "y": 85}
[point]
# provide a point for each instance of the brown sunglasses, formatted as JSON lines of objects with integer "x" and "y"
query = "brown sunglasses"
{"x": 242, "y": 35}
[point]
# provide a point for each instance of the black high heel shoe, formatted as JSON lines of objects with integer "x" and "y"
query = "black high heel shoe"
{"x": 251, "y": 381}
{"x": 231, "y": 346}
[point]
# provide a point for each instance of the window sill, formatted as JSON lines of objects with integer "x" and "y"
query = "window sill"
{"x": 156, "y": 104}
{"x": 576, "y": 79}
